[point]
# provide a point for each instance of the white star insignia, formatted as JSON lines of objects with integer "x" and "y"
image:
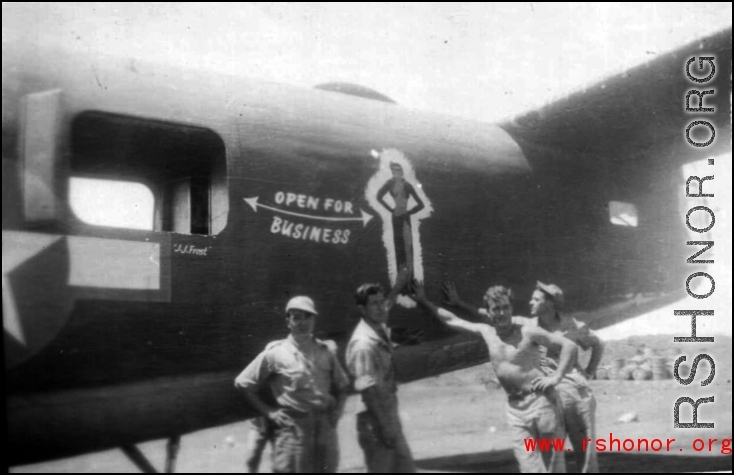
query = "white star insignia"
{"x": 18, "y": 247}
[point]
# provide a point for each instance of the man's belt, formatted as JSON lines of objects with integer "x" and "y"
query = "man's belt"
{"x": 521, "y": 395}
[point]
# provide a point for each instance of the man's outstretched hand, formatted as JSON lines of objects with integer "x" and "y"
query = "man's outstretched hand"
{"x": 450, "y": 293}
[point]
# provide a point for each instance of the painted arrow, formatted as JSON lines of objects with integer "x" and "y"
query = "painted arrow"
{"x": 365, "y": 218}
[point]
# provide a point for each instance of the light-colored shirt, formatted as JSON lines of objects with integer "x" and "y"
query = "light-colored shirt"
{"x": 371, "y": 363}
{"x": 302, "y": 377}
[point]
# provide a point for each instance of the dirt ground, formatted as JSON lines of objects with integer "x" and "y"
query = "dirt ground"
{"x": 456, "y": 423}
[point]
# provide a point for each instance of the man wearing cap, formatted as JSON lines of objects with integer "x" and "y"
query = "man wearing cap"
{"x": 309, "y": 387}
{"x": 579, "y": 403}
{"x": 577, "y": 398}
{"x": 533, "y": 407}
{"x": 372, "y": 367}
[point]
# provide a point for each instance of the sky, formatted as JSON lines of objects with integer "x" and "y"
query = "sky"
{"x": 486, "y": 62}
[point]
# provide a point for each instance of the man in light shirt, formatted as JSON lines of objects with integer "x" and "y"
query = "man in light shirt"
{"x": 309, "y": 387}
{"x": 371, "y": 364}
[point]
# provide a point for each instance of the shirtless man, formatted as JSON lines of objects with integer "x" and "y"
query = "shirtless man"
{"x": 533, "y": 408}
{"x": 577, "y": 398}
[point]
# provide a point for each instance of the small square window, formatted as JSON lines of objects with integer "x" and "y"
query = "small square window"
{"x": 622, "y": 214}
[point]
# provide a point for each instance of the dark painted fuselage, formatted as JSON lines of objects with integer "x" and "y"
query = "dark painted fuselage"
{"x": 122, "y": 335}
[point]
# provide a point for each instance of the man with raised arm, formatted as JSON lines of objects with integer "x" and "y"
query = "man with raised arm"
{"x": 579, "y": 403}
{"x": 370, "y": 363}
{"x": 533, "y": 408}
{"x": 574, "y": 391}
